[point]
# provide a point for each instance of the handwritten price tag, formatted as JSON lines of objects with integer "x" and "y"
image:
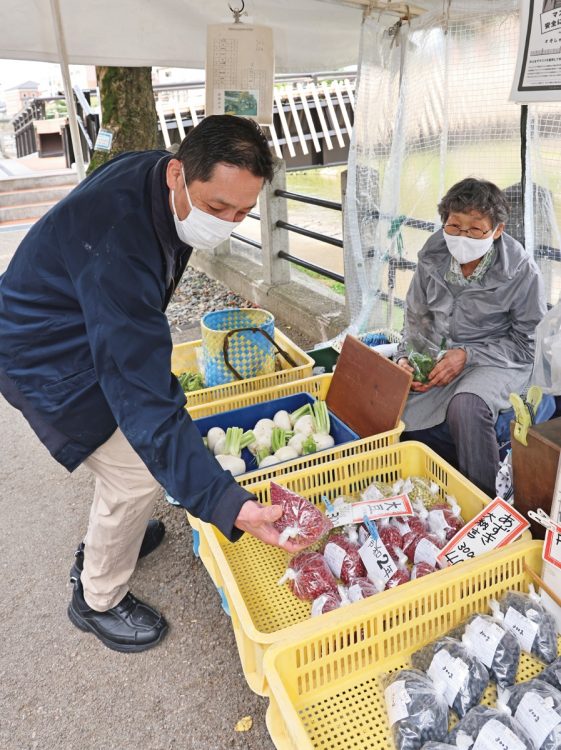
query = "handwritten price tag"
{"x": 378, "y": 562}
{"x": 497, "y": 525}
{"x": 552, "y": 547}
{"x": 346, "y": 513}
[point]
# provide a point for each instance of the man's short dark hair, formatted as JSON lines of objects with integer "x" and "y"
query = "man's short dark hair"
{"x": 475, "y": 195}
{"x": 225, "y": 139}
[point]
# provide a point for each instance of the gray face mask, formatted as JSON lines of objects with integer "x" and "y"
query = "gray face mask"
{"x": 199, "y": 229}
{"x": 466, "y": 249}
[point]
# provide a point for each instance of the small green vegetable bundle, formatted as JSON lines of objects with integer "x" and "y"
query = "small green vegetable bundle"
{"x": 190, "y": 380}
{"x": 422, "y": 365}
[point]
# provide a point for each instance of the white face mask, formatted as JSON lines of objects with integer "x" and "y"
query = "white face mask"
{"x": 465, "y": 249}
{"x": 199, "y": 229}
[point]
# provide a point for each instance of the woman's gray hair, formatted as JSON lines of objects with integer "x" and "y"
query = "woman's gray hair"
{"x": 475, "y": 195}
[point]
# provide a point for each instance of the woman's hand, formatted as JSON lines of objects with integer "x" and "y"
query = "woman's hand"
{"x": 448, "y": 367}
{"x": 403, "y": 362}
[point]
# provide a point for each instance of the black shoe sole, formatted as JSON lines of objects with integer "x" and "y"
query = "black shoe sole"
{"x": 82, "y": 624}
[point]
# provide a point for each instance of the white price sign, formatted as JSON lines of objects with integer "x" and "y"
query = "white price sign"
{"x": 552, "y": 547}
{"x": 347, "y": 513}
{"x": 497, "y": 525}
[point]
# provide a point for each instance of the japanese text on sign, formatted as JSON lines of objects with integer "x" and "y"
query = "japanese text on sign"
{"x": 496, "y": 525}
{"x": 345, "y": 513}
{"x": 552, "y": 547}
{"x": 377, "y": 560}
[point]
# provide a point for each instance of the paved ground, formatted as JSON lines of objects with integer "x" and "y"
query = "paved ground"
{"x": 60, "y": 689}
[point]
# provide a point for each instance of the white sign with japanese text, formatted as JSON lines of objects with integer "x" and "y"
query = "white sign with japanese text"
{"x": 537, "y": 76}
{"x": 240, "y": 68}
{"x": 346, "y": 513}
{"x": 378, "y": 562}
{"x": 552, "y": 547}
{"x": 497, "y": 525}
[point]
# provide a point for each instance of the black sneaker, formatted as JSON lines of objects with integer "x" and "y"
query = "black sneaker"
{"x": 129, "y": 626}
{"x": 153, "y": 535}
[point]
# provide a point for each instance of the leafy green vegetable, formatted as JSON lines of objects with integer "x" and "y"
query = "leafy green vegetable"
{"x": 422, "y": 365}
{"x": 190, "y": 380}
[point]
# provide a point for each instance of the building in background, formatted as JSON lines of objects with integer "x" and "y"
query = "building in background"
{"x": 17, "y": 97}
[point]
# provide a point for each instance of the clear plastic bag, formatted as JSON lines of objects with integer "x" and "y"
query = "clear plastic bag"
{"x": 343, "y": 558}
{"x": 362, "y": 588}
{"x": 309, "y": 576}
{"x": 423, "y": 355}
{"x": 536, "y": 706}
{"x": 301, "y": 521}
{"x": 450, "y": 662}
{"x": 402, "y": 574}
{"x": 446, "y": 518}
{"x": 547, "y": 360}
{"x": 417, "y": 710}
{"x": 491, "y": 728}
{"x": 528, "y": 620}
{"x": 552, "y": 674}
{"x": 494, "y": 645}
{"x": 326, "y": 603}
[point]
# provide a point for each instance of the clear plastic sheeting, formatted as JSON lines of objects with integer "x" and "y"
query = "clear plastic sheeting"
{"x": 431, "y": 109}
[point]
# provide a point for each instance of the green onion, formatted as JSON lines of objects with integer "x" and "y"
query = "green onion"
{"x": 247, "y": 438}
{"x": 321, "y": 417}
{"x": 232, "y": 446}
{"x": 301, "y": 412}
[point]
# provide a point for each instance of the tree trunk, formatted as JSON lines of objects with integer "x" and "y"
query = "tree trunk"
{"x": 128, "y": 111}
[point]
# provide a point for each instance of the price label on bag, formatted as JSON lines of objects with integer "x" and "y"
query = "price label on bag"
{"x": 347, "y": 513}
{"x": 397, "y": 701}
{"x": 537, "y": 717}
{"x": 552, "y": 546}
{"x": 494, "y": 735}
{"x": 495, "y": 526}
{"x": 450, "y": 672}
{"x": 378, "y": 562}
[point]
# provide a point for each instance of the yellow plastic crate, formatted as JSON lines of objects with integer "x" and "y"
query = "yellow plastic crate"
{"x": 325, "y": 687}
{"x": 317, "y": 387}
{"x": 264, "y": 613}
{"x": 184, "y": 358}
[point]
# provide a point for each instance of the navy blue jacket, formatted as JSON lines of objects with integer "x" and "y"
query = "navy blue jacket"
{"x": 85, "y": 345}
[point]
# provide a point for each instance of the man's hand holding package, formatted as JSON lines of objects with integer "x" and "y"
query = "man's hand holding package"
{"x": 258, "y": 521}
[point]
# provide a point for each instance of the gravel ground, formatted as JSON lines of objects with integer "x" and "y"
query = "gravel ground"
{"x": 198, "y": 294}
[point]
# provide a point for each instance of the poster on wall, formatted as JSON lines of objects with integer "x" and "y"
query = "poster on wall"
{"x": 240, "y": 68}
{"x": 537, "y": 77}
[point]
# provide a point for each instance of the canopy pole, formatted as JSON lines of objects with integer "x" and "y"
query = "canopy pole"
{"x": 68, "y": 93}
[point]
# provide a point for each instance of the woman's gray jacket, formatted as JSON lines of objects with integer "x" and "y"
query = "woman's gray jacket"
{"x": 493, "y": 320}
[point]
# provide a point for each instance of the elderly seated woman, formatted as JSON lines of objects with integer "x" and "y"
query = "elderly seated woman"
{"x": 473, "y": 305}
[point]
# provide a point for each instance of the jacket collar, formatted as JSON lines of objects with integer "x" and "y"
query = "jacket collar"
{"x": 171, "y": 246}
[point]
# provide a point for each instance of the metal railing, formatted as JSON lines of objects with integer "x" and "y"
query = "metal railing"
{"x": 29, "y": 141}
{"x": 301, "y": 262}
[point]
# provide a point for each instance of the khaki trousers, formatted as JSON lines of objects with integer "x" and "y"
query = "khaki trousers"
{"x": 124, "y": 498}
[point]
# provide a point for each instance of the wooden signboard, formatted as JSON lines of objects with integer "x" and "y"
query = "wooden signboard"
{"x": 534, "y": 469}
{"x": 368, "y": 392}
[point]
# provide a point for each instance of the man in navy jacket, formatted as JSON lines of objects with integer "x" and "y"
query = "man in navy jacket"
{"x": 85, "y": 352}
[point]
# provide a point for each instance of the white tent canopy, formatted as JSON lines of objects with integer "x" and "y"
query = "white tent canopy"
{"x": 310, "y": 35}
